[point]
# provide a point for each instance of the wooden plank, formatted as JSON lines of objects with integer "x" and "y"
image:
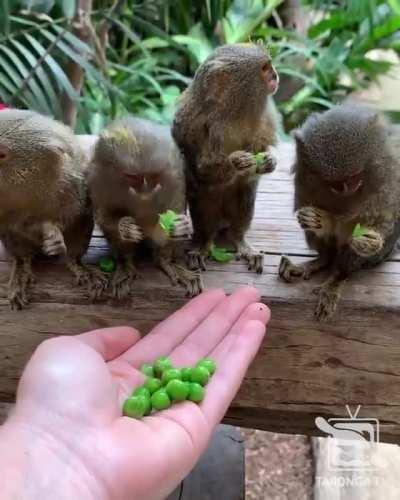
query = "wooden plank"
{"x": 304, "y": 369}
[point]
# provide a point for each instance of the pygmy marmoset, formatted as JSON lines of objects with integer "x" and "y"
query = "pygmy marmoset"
{"x": 136, "y": 175}
{"x": 44, "y": 203}
{"x": 347, "y": 172}
{"x": 222, "y": 121}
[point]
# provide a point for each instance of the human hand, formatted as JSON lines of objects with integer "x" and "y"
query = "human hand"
{"x": 67, "y": 437}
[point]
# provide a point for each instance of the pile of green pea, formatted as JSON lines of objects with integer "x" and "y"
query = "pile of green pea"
{"x": 166, "y": 385}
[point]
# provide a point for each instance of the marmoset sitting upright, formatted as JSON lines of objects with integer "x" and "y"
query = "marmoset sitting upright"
{"x": 44, "y": 203}
{"x": 222, "y": 122}
{"x": 136, "y": 175}
{"x": 347, "y": 196}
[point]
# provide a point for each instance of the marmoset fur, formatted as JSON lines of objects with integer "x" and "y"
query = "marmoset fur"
{"x": 44, "y": 203}
{"x": 222, "y": 121}
{"x": 136, "y": 175}
{"x": 347, "y": 172}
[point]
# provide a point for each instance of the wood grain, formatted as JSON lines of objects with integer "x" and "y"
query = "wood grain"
{"x": 304, "y": 369}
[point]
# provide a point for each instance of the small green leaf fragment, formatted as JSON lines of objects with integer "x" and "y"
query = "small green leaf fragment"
{"x": 220, "y": 254}
{"x": 167, "y": 220}
{"x": 359, "y": 231}
{"x": 260, "y": 158}
{"x": 107, "y": 264}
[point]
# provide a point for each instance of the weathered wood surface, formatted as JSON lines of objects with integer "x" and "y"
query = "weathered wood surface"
{"x": 304, "y": 368}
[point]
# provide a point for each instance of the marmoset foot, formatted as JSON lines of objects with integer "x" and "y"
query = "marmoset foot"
{"x": 289, "y": 272}
{"x": 123, "y": 280}
{"x": 92, "y": 278}
{"x": 255, "y": 259}
{"x": 21, "y": 279}
{"x": 197, "y": 259}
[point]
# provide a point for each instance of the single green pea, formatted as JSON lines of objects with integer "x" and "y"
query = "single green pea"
{"x": 177, "y": 390}
{"x": 160, "y": 400}
{"x": 200, "y": 375}
{"x": 186, "y": 373}
{"x": 149, "y": 407}
{"x": 147, "y": 369}
{"x": 161, "y": 364}
{"x": 171, "y": 374}
{"x": 153, "y": 384}
{"x": 142, "y": 391}
{"x": 196, "y": 393}
{"x": 209, "y": 364}
{"x": 107, "y": 264}
{"x": 135, "y": 406}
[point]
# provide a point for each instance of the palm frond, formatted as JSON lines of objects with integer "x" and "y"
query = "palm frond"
{"x": 32, "y": 58}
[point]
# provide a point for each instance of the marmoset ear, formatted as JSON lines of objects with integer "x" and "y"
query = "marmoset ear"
{"x": 301, "y": 149}
{"x": 299, "y": 140}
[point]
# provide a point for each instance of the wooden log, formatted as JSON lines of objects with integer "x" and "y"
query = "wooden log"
{"x": 304, "y": 368}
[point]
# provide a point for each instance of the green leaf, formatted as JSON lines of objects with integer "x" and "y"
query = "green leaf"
{"x": 58, "y": 73}
{"x": 167, "y": 221}
{"x": 40, "y": 6}
{"x": 197, "y": 43}
{"x": 243, "y": 17}
{"x": 335, "y": 21}
{"x": 395, "y": 4}
{"x": 260, "y": 157}
{"x": 5, "y": 17}
{"x": 36, "y": 93}
{"x": 359, "y": 231}
{"x": 107, "y": 264}
{"x": 220, "y": 254}
{"x": 170, "y": 95}
{"x": 68, "y": 7}
{"x": 37, "y": 72}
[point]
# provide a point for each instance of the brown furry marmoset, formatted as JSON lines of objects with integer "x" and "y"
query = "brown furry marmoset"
{"x": 222, "y": 121}
{"x": 44, "y": 203}
{"x": 136, "y": 175}
{"x": 347, "y": 172}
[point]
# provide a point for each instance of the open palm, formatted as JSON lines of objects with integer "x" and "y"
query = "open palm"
{"x": 72, "y": 391}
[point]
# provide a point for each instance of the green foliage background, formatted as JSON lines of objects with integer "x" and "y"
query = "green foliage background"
{"x": 155, "y": 46}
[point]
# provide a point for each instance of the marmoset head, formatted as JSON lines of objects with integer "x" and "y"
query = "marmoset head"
{"x": 118, "y": 149}
{"x": 340, "y": 151}
{"x": 236, "y": 76}
{"x": 30, "y": 148}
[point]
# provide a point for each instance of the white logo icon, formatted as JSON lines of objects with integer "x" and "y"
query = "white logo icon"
{"x": 352, "y": 434}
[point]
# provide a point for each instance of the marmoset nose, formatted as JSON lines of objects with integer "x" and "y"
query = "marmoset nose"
{"x": 3, "y": 152}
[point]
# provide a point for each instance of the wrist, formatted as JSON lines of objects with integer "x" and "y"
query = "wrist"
{"x": 35, "y": 464}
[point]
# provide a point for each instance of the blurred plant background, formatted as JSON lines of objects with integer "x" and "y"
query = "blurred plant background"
{"x": 88, "y": 61}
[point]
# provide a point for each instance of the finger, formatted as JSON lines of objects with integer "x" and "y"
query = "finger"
{"x": 231, "y": 370}
{"x": 110, "y": 342}
{"x": 254, "y": 312}
{"x": 214, "y": 327}
{"x": 171, "y": 332}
